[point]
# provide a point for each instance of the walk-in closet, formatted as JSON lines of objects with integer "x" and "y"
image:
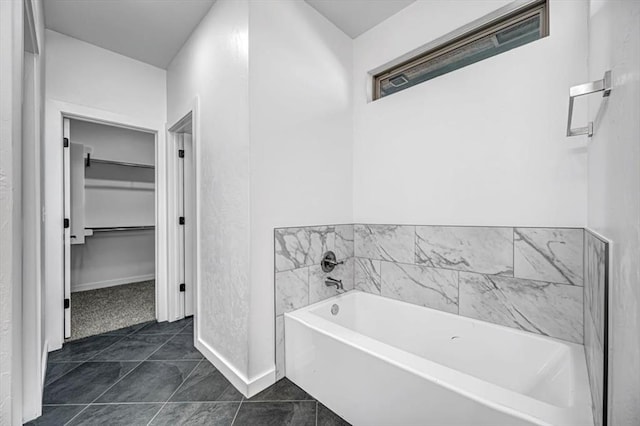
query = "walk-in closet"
{"x": 110, "y": 215}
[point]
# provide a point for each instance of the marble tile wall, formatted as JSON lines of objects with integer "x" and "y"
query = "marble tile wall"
{"x": 299, "y": 279}
{"x": 526, "y": 278}
{"x": 596, "y": 253}
{"x": 542, "y": 280}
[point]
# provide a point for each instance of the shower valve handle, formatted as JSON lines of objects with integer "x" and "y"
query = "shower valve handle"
{"x": 329, "y": 262}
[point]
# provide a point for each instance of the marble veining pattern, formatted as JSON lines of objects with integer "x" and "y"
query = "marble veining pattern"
{"x": 344, "y": 241}
{"x": 549, "y": 309}
{"x": 367, "y": 275}
{"x": 420, "y": 285}
{"x": 549, "y": 254}
{"x": 485, "y": 250}
{"x": 292, "y": 290}
{"x": 394, "y": 243}
{"x": 299, "y": 247}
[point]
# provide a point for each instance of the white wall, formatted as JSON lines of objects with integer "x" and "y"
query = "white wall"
{"x": 112, "y": 258}
{"x": 84, "y": 74}
{"x": 300, "y": 86}
{"x": 614, "y": 190}
{"x": 88, "y": 76}
{"x": 213, "y": 64}
{"x": 11, "y": 60}
{"x": 483, "y": 145}
{"x": 114, "y": 143}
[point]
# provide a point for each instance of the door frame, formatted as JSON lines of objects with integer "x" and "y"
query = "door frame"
{"x": 175, "y": 311}
{"x": 55, "y": 113}
{"x": 33, "y": 347}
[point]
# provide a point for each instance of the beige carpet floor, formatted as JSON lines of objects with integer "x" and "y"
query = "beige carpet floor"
{"x": 106, "y": 309}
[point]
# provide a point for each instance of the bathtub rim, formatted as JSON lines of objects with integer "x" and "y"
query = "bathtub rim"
{"x": 484, "y": 392}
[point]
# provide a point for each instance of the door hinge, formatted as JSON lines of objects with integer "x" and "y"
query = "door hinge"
{"x": 181, "y": 220}
{"x": 66, "y": 223}
{"x": 181, "y": 153}
{"x": 65, "y": 142}
{"x": 67, "y": 303}
{"x": 183, "y": 287}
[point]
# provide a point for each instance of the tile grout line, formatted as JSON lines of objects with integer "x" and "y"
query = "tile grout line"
{"x": 106, "y": 361}
{"x": 121, "y": 378}
{"x": 237, "y": 411}
{"x": 91, "y": 358}
{"x": 175, "y": 391}
{"x": 498, "y": 275}
{"x": 64, "y": 374}
{"x": 105, "y": 391}
{"x": 271, "y": 401}
{"x": 158, "y": 402}
{"x": 117, "y": 341}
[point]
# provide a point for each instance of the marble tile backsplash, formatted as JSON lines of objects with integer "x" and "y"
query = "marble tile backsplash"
{"x": 482, "y": 250}
{"x": 393, "y": 243}
{"x": 549, "y": 254}
{"x": 528, "y": 278}
{"x": 430, "y": 287}
{"x": 299, "y": 247}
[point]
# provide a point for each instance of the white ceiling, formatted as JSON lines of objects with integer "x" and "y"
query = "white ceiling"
{"x": 354, "y": 17}
{"x": 151, "y": 31}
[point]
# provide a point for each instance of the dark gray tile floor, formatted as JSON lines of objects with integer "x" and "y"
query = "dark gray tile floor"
{"x": 151, "y": 374}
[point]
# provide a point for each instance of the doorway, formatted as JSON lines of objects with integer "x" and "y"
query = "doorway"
{"x": 109, "y": 227}
{"x": 183, "y": 232}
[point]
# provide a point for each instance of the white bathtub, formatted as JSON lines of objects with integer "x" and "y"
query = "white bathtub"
{"x": 385, "y": 362}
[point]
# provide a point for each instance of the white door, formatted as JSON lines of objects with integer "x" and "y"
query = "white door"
{"x": 66, "y": 134}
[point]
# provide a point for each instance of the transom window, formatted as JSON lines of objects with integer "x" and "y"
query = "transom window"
{"x": 522, "y": 26}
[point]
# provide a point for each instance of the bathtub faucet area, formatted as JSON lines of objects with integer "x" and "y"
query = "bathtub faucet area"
{"x": 333, "y": 282}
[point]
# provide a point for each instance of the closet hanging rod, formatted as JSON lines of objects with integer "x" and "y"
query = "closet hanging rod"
{"x": 90, "y": 160}
{"x": 122, "y": 228}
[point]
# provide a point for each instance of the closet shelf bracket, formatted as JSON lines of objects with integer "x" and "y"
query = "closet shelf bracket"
{"x": 603, "y": 85}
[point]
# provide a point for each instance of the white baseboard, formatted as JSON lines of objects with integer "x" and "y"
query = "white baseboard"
{"x": 111, "y": 283}
{"x": 248, "y": 387}
{"x": 260, "y": 382}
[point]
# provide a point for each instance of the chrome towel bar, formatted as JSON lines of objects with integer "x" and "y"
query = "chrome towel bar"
{"x": 603, "y": 85}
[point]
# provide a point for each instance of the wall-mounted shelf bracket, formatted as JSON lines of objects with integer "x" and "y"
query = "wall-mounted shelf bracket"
{"x": 603, "y": 85}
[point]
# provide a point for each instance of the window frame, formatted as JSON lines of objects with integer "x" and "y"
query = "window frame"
{"x": 454, "y": 41}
